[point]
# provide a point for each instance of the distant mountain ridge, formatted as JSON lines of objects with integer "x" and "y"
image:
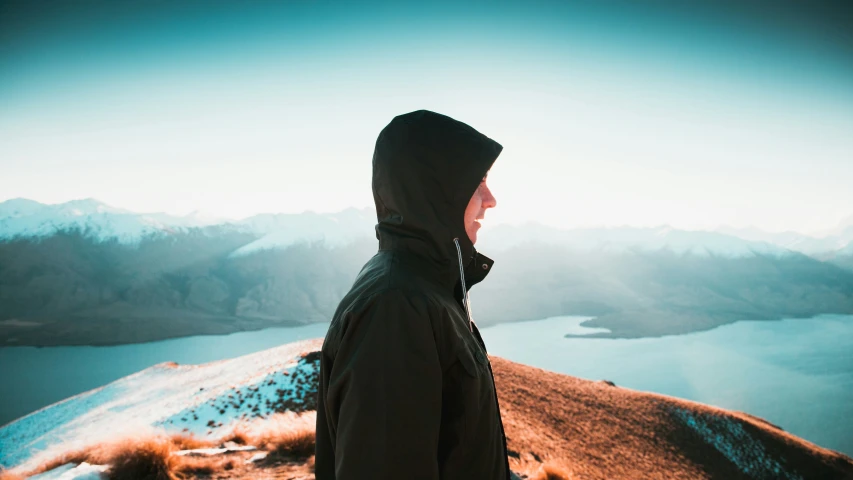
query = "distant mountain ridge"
{"x": 839, "y": 239}
{"x": 26, "y": 218}
{"x": 30, "y": 219}
{"x": 86, "y": 274}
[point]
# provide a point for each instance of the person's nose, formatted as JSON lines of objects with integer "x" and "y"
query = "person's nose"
{"x": 489, "y": 200}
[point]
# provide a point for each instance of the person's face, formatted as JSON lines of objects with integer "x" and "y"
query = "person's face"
{"x": 476, "y": 210}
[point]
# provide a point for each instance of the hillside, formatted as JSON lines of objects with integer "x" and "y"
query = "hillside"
{"x": 590, "y": 429}
{"x": 72, "y": 289}
{"x": 600, "y": 431}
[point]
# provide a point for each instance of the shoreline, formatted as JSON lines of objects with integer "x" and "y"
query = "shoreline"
{"x": 221, "y": 332}
{"x": 704, "y": 324}
{"x": 615, "y": 323}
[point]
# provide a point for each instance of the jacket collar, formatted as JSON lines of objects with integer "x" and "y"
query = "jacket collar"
{"x": 416, "y": 254}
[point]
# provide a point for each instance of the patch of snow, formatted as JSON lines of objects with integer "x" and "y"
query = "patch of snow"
{"x": 18, "y": 207}
{"x": 281, "y": 389}
{"x": 257, "y": 457}
{"x": 728, "y": 436}
{"x": 206, "y": 452}
{"x": 55, "y": 473}
{"x": 176, "y": 398}
{"x": 72, "y": 471}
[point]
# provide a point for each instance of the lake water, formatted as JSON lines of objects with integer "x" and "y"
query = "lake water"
{"x": 795, "y": 373}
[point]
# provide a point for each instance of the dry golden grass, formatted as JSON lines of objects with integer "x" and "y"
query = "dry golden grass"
{"x": 550, "y": 471}
{"x": 142, "y": 457}
{"x": 190, "y": 442}
{"x": 193, "y": 467}
{"x": 137, "y": 459}
{"x": 284, "y": 434}
{"x": 598, "y": 431}
{"x": 151, "y": 455}
{"x": 299, "y": 444}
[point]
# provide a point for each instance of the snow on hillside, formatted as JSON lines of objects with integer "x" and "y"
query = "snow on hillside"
{"x": 730, "y": 439}
{"x": 19, "y": 207}
{"x": 200, "y": 399}
{"x": 26, "y": 218}
{"x": 72, "y": 471}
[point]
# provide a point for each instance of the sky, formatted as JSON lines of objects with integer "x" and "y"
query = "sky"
{"x": 692, "y": 114}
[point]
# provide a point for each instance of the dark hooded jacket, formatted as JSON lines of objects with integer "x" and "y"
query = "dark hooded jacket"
{"x": 406, "y": 387}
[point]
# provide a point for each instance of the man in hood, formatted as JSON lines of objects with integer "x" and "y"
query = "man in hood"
{"x": 406, "y": 386}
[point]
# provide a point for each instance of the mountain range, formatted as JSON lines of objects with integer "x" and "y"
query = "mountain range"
{"x": 85, "y": 273}
{"x": 23, "y": 218}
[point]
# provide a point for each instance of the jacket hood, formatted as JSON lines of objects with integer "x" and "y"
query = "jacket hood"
{"x": 426, "y": 167}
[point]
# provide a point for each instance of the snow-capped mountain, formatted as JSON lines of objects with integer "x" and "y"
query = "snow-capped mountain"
{"x": 26, "y": 218}
{"x": 19, "y": 207}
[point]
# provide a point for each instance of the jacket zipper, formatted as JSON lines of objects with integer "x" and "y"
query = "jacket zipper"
{"x": 479, "y": 339}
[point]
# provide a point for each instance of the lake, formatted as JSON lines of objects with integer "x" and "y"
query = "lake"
{"x": 796, "y": 373}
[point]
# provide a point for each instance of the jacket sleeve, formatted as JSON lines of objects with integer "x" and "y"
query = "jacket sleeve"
{"x": 386, "y": 392}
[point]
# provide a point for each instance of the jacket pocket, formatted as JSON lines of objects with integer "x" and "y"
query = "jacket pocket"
{"x": 476, "y": 396}
{"x": 472, "y": 359}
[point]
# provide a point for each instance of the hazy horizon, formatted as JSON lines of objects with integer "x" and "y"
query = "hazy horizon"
{"x": 701, "y": 116}
{"x": 487, "y": 224}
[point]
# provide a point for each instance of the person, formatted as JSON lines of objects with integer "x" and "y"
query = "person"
{"x": 406, "y": 386}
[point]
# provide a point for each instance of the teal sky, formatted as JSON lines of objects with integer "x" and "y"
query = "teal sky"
{"x": 639, "y": 113}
